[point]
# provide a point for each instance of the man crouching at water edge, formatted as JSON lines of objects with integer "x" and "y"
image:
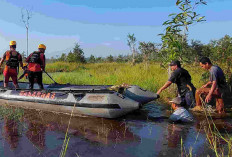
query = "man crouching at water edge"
{"x": 180, "y": 113}
{"x": 214, "y": 88}
{"x": 182, "y": 79}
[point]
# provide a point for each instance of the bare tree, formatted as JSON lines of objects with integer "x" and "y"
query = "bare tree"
{"x": 131, "y": 42}
{"x": 26, "y": 16}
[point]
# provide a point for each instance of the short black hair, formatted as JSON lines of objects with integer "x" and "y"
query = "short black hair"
{"x": 205, "y": 60}
{"x": 175, "y": 62}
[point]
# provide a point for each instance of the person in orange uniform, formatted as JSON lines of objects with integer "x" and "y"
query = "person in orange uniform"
{"x": 13, "y": 59}
{"x": 36, "y": 65}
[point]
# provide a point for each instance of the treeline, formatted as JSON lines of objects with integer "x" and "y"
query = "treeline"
{"x": 77, "y": 55}
{"x": 219, "y": 51}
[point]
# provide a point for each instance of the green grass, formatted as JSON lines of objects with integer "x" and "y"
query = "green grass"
{"x": 151, "y": 78}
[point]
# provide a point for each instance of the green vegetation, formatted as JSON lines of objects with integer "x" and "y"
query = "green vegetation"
{"x": 76, "y": 56}
{"x": 215, "y": 138}
{"x": 11, "y": 113}
{"x": 149, "y": 77}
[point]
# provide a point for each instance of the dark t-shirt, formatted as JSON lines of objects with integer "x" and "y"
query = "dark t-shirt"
{"x": 182, "y": 78}
{"x": 216, "y": 74}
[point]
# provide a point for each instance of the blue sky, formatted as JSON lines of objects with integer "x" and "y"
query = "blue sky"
{"x": 101, "y": 26}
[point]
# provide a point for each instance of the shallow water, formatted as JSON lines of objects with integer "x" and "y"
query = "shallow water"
{"x": 144, "y": 133}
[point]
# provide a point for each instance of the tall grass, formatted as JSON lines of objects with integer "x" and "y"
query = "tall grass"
{"x": 150, "y": 78}
{"x": 214, "y": 136}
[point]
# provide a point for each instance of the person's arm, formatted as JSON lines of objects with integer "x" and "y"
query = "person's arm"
{"x": 28, "y": 58}
{"x": 171, "y": 80}
{"x": 207, "y": 84}
{"x": 2, "y": 60}
{"x": 213, "y": 87}
{"x": 42, "y": 57}
{"x": 166, "y": 85}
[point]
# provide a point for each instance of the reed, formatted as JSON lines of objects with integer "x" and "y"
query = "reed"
{"x": 214, "y": 136}
{"x": 67, "y": 138}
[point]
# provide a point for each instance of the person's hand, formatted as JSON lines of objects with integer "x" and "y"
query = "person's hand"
{"x": 208, "y": 98}
{"x": 204, "y": 86}
{"x": 158, "y": 92}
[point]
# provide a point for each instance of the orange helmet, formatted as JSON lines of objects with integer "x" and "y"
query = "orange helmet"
{"x": 12, "y": 43}
{"x": 42, "y": 46}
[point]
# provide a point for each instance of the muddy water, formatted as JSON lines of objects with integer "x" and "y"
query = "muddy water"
{"x": 144, "y": 133}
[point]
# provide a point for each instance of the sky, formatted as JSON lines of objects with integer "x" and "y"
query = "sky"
{"x": 101, "y": 27}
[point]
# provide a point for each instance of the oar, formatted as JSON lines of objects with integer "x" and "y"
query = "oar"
{"x": 24, "y": 73}
{"x": 51, "y": 78}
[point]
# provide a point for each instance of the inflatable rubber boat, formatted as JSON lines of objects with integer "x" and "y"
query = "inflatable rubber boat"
{"x": 92, "y": 100}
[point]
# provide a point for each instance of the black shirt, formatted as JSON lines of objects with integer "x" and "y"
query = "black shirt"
{"x": 182, "y": 78}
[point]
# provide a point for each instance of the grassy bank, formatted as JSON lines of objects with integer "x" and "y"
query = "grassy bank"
{"x": 150, "y": 78}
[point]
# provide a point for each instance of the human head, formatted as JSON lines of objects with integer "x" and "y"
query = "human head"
{"x": 176, "y": 102}
{"x": 205, "y": 63}
{"x": 175, "y": 64}
{"x": 12, "y": 44}
{"x": 41, "y": 48}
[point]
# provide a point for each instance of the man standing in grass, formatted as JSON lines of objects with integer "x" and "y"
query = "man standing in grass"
{"x": 213, "y": 88}
{"x": 13, "y": 59}
{"x": 36, "y": 65}
{"x": 182, "y": 79}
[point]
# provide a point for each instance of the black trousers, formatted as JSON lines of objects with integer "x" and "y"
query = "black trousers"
{"x": 35, "y": 75}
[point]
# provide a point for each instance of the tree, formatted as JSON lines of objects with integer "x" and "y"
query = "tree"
{"x": 196, "y": 50}
{"x": 92, "y": 59}
{"x": 110, "y": 58}
{"x": 131, "y": 42}
{"x": 78, "y": 54}
{"x": 99, "y": 59}
{"x": 175, "y": 37}
{"x": 71, "y": 57}
{"x": 119, "y": 59}
{"x": 63, "y": 57}
{"x": 147, "y": 49}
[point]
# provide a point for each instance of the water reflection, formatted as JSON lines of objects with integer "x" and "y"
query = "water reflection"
{"x": 36, "y": 134}
{"x": 144, "y": 133}
{"x": 93, "y": 129}
{"x": 217, "y": 131}
{"x": 175, "y": 133}
{"x": 10, "y": 132}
